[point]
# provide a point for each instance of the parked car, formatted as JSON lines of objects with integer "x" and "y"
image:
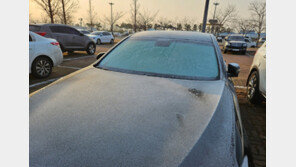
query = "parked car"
{"x": 250, "y": 43}
{"x": 44, "y": 53}
{"x": 235, "y": 43}
{"x": 69, "y": 38}
{"x": 158, "y": 98}
{"x": 219, "y": 38}
{"x": 256, "y": 83}
{"x": 102, "y": 37}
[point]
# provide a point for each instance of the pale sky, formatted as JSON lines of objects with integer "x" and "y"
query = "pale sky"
{"x": 171, "y": 9}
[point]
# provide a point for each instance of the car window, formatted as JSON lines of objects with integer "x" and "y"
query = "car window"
{"x": 57, "y": 29}
{"x": 70, "y": 30}
{"x": 34, "y": 28}
{"x": 85, "y": 32}
{"x": 236, "y": 38}
{"x": 106, "y": 33}
{"x": 165, "y": 57}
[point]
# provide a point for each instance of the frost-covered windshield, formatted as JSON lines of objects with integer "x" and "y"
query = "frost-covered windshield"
{"x": 164, "y": 57}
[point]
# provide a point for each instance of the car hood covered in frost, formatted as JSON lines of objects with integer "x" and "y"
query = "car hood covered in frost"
{"x": 96, "y": 117}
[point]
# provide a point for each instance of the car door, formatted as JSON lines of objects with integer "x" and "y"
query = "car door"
{"x": 105, "y": 37}
{"x": 31, "y": 50}
{"x": 78, "y": 39}
{"x": 262, "y": 69}
{"x": 60, "y": 33}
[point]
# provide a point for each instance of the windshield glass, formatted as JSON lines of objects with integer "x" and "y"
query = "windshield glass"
{"x": 163, "y": 57}
{"x": 236, "y": 38}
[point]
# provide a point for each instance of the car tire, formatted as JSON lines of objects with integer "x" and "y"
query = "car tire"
{"x": 225, "y": 50}
{"x": 253, "y": 93}
{"x": 98, "y": 41}
{"x": 42, "y": 67}
{"x": 111, "y": 41}
{"x": 91, "y": 48}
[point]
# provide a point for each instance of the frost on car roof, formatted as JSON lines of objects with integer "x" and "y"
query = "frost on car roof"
{"x": 183, "y": 35}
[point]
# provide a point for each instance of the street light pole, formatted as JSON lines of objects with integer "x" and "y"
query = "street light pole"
{"x": 216, "y": 4}
{"x": 204, "y": 24}
{"x": 111, "y": 4}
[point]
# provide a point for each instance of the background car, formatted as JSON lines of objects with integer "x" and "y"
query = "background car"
{"x": 256, "y": 83}
{"x": 235, "y": 43}
{"x": 164, "y": 101}
{"x": 69, "y": 38}
{"x": 44, "y": 53}
{"x": 102, "y": 37}
{"x": 250, "y": 43}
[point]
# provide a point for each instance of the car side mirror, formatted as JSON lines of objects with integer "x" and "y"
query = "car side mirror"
{"x": 233, "y": 70}
{"x": 100, "y": 55}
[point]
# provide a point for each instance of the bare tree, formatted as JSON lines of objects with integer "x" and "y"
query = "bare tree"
{"x": 225, "y": 16}
{"x": 135, "y": 6}
{"x": 243, "y": 25}
{"x": 146, "y": 18}
{"x": 68, "y": 8}
{"x": 92, "y": 15}
{"x": 111, "y": 20}
{"x": 51, "y": 7}
{"x": 258, "y": 10}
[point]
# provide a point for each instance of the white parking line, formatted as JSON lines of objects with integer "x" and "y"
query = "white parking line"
{"x": 43, "y": 82}
{"x": 75, "y": 68}
{"x": 76, "y": 58}
{"x": 241, "y": 87}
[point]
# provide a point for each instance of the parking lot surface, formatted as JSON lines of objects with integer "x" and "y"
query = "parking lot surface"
{"x": 253, "y": 116}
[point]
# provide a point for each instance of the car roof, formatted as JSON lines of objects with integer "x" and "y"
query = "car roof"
{"x": 184, "y": 35}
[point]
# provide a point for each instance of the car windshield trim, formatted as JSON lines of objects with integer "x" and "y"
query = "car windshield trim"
{"x": 157, "y": 74}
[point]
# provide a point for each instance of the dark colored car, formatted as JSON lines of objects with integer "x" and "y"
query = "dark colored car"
{"x": 235, "y": 43}
{"x": 69, "y": 38}
{"x": 158, "y": 98}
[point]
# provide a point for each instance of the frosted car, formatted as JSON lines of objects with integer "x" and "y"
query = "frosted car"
{"x": 102, "y": 37}
{"x": 256, "y": 83}
{"x": 44, "y": 53}
{"x": 158, "y": 98}
{"x": 250, "y": 43}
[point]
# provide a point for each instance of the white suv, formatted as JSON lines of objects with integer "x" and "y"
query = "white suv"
{"x": 44, "y": 54}
{"x": 101, "y": 37}
{"x": 256, "y": 83}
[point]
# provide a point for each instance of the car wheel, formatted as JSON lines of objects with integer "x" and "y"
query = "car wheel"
{"x": 98, "y": 41}
{"x": 253, "y": 93}
{"x": 91, "y": 49}
{"x": 41, "y": 67}
{"x": 111, "y": 41}
{"x": 225, "y": 50}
